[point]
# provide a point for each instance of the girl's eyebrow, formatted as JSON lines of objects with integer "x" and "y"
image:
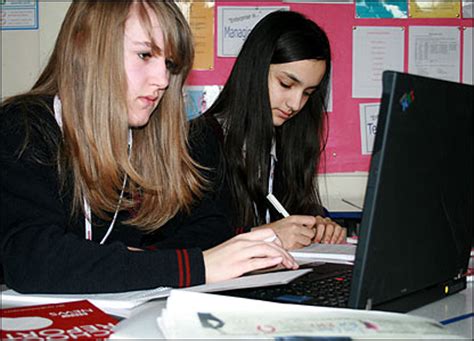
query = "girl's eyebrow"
{"x": 296, "y": 79}
{"x": 292, "y": 77}
{"x": 147, "y": 44}
{"x": 141, "y": 43}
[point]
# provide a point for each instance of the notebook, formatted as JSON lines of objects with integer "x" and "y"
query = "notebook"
{"x": 416, "y": 229}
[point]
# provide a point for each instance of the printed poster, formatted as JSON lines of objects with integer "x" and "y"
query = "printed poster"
{"x": 467, "y": 9}
{"x": 435, "y": 51}
{"x": 235, "y": 24}
{"x": 19, "y": 15}
{"x": 435, "y": 8}
{"x": 369, "y": 114}
{"x": 467, "y": 57}
{"x": 199, "y": 98}
{"x": 381, "y": 9}
{"x": 375, "y": 49}
{"x": 200, "y": 15}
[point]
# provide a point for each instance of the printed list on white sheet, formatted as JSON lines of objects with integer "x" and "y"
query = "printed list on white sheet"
{"x": 435, "y": 51}
{"x": 375, "y": 49}
{"x": 467, "y": 57}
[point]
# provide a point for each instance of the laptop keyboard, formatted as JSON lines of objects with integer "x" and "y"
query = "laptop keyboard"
{"x": 327, "y": 285}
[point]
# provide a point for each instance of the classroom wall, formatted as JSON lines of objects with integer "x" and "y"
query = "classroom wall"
{"x": 25, "y": 52}
{"x": 338, "y": 20}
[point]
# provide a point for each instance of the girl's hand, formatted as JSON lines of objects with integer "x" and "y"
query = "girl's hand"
{"x": 328, "y": 231}
{"x": 294, "y": 232}
{"x": 245, "y": 253}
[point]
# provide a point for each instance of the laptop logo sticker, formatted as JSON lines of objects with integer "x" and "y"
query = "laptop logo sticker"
{"x": 407, "y": 99}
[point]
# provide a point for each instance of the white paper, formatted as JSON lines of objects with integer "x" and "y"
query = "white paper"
{"x": 434, "y": 51}
{"x": 122, "y": 303}
{"x": 330, "y": 91}
{"x": 234, "y": 23}
{"x": 369, "y": 114}
{"x": 467, "y": 8}
{"x": 251, "y": 281}
{"x": 374, "y": 50}
{"x": 195, "y": 315}
{"x": 119, "y": 304}
{"x": 19, "y": 15}
{"x": 326, "y": 252}
{"x": 467, "y": 57}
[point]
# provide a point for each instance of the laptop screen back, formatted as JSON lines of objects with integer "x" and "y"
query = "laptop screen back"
{"x": 416, "y": 229}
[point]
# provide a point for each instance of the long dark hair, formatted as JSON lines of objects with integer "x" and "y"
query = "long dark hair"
{"x": 243, "y": 108}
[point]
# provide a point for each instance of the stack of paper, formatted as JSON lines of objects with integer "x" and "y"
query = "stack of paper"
{"x": 197, "y": 315}
{"x": 122, "y": 304}
{"x": 328, "y": 253}
{"x": 251, "y": 281}
{"x": 117, "y": 304}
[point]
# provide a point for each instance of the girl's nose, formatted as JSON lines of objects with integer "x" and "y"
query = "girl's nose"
{"x": 160, "y": 74}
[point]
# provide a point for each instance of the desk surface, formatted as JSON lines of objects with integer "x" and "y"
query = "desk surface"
{"x": 455, "y": 311}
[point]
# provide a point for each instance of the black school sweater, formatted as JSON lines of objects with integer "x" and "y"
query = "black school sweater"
{"x": 43, "y": 250}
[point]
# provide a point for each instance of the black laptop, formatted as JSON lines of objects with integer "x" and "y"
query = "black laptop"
{"x": 417, "y": 228}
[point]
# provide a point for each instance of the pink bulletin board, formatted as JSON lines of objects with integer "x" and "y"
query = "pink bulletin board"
{"x": 343, "y": 152}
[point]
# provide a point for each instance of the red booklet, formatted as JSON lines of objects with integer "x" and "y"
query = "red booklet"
{"x": 70, "y": 320}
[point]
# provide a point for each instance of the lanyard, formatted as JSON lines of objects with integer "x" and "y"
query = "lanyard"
{"x": 270, "y": 183}
{"x": 271, "y": 176}
{"x": 87, "y": 209}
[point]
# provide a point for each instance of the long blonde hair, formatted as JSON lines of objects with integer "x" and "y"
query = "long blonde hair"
{"x": 86, "y": 69}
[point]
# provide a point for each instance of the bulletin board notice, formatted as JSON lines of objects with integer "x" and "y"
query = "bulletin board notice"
{"x": 359, "y": 56}
{"x": 19, "y": 15}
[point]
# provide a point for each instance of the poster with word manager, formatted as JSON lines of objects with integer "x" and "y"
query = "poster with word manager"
{"x": 234, "y": 25}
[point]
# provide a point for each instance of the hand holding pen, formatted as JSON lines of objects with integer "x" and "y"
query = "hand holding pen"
{"x": 297, "y": 231}
{"x": 294, "y": 231}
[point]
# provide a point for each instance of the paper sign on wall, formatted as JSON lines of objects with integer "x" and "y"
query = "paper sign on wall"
{"x": 435, "y": 51}
{"x": 19, "y": 15}
{"x": 234, "y": 25}
{"x": 435, "y": 9}
{"x": 199, "y": 98}
{"x": 381, "y": 9}
{"x": 369, "y": 114}
{"x": 467, "y": 9}
{"x": 467, "y": 57}
{"x": 375, "y": 49}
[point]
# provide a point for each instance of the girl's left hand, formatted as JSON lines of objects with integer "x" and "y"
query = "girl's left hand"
{"x": 328, "y": 231}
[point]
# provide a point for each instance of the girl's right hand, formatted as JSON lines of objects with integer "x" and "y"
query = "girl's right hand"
{"x": 245, "y": 253}
{"x": 294, "y": 232}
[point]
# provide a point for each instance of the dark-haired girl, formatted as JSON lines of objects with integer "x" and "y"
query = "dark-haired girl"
{"x": 271, "y": 116}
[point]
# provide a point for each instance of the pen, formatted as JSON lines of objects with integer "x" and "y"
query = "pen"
{"x": 274, "y": 201}
{"x": 352, "y": 204}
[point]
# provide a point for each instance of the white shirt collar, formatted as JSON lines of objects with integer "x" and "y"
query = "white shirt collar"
{"x": 273, "y": 153}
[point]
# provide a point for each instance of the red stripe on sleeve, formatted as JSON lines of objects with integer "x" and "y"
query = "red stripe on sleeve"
{"x": 187, "y": 267}
{"x": 180, "y": 268}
